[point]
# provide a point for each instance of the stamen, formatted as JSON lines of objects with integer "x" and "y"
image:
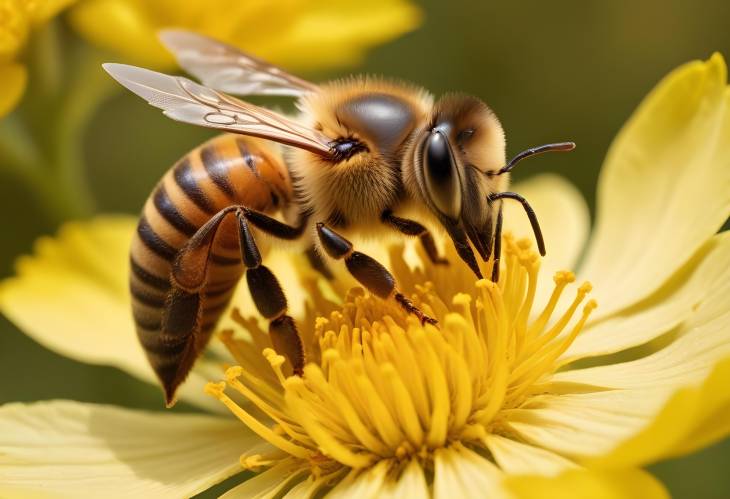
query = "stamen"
{"x": 381, "y": 388}
{"x": 217, "y": 391}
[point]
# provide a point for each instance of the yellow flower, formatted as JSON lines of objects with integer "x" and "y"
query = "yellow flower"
{"x": 17, "y": 19}
{"x": 299, "y": 34}
{"x": 491, "y": 403}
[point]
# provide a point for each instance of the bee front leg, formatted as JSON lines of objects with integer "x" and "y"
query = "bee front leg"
{"x": 368, "y": 271}
{"x": 497, "y": 246}
{"x": 413, "y": 228}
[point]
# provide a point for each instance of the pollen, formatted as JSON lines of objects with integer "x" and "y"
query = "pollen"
{"x": 382, "y": 387}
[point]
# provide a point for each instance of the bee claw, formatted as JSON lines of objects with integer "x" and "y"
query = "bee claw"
{"x": 425, "y": 319}
{"x": 409, "y": 307}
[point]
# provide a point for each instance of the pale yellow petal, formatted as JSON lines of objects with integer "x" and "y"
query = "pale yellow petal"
{"x": 71, "y": 296}
{"x": 375, "y": 483}
{"x": 564, "y": 220}
{"x": 670, "y": 402}
{"x": 411, "y": 483}
{"x": 13, "y": 78}
{"x": 693, "y": 418}
{"x": 703, "y": 282}
{"x": 71, "y": 449}
{"x": 517, "y": 458}
{"x": 593, "y": 484}
{"x": 269, "y": 483}
{"x": 460, "y": 472}
{"x": 365, "y": 485}
{"x": 700, "y": 341}
{"x": 585, "y": 425}
{"x": 665, "y": 187}
{"x": 692, "y": 371}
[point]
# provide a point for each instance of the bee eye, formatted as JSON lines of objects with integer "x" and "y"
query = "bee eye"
{"x": 441, "y": 177}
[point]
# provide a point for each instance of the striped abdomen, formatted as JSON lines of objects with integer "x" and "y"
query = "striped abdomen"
{"x": 227, "y": 170}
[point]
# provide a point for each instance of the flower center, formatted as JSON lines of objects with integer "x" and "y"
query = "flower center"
{"x": 379, "y": 386}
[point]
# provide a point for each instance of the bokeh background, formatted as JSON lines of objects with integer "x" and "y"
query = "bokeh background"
{"x": 563, "y": 70}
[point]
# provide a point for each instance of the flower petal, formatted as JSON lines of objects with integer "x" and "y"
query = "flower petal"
{"x": 297, "y": 34}
{"x": 658, "y": 406}
{"x": 564, "y": 220}
{"x": 375, "y": 483}
{"x": 704, "y": 281}
{"x": 460, "y": 472}
{"x": 665, "y": 186}
{"x": 695, "y": 417}
{"x": 328, "y": 34}
{"x": 44, "y": 11}
{"x": 363, "y": 485}
{"x": 516, "y": 458}
{"x": 71, "y": 297}
{"x": 269, "y": 483}
{"x": 692, "y": 371}
{"x": 69, "y": 449}
{"x": 13, "y": 78}
{"x": 585, "y": 425}
{"x": 596, "y": 484}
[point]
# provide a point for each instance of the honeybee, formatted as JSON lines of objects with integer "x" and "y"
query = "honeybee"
{"x": 364, "y": 156}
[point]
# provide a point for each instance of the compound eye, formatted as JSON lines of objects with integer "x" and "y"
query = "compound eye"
{"x": 442, "y": 178}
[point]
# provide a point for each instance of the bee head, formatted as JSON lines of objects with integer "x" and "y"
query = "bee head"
{"x": 455, "y": 156}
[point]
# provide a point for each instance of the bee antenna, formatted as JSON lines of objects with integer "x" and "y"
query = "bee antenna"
{"x": 530, "y": 215}
{"x": 559, "y": 146}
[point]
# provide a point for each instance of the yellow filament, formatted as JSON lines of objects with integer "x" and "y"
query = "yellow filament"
{"x": 216, "y": 390}
{"x": 384, "y": 389}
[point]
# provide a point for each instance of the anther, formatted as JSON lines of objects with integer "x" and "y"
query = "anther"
{"x": 294, "y": 383}
{"x": 461, "y": 299}
{"x": 585, "y": 288}
{"x": 563, "y": 277}
{"x": 233, "y": 373}
{"x": 274, "y": 358}
{"x": 215, "y": 389}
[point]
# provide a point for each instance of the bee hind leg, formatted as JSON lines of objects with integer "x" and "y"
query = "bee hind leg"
{"x": 368, "y": 271}
{"x": 267, "y": 294}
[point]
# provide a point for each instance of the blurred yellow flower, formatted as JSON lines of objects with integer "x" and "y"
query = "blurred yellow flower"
{"x": 298, "y": 34}
{"x": 18, "y": 18}
{"x": 490, "y": 404}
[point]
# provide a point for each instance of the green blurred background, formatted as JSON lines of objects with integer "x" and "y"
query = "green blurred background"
{"x": 565, "y": 70}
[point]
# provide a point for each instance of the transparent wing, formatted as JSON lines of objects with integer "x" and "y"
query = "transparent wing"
{"x": 184, "y": 100}
{"x": 226, "y": 68}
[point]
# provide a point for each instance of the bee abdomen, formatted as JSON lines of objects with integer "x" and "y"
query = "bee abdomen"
{"x": 172, "y": 325}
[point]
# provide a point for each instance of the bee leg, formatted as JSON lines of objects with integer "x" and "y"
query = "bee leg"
{"x": 461, "y": 245}
{"x": 269, "y": 297}
{"x": 368, "y": 271}
{"x": 413, "y": 228}
{"x": 274, "y": 227}
{"x": 497, "y": 245}
{"x": 318, "y": 263}
{"x": 181, "y": 337}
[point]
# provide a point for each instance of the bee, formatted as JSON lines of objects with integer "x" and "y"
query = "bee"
{"x": 365, "y": 156}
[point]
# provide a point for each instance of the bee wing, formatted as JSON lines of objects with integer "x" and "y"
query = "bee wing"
{"x": 226, "y": 68}
{"x": 184, "y": 100}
